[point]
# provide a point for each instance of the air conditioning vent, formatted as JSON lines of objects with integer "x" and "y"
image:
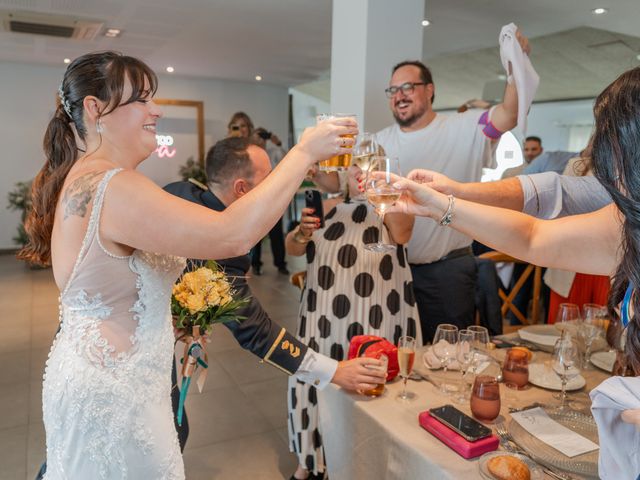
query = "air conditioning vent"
{"x": 51, "y": 25}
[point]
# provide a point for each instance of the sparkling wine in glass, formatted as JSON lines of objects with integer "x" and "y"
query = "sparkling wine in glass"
{"x": 365, "y": 149}
{"x": 565, "y": 364}
{"x": 381, "y": 194}
{"x": 406, "y": 357}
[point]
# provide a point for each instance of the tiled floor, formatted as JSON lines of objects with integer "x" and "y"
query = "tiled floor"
{"x": 238, "y": 423}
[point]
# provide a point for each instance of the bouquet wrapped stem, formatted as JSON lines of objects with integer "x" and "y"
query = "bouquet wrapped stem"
{"x": 200, "y": 299}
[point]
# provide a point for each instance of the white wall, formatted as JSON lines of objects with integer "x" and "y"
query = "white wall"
{"x": 27, "y": 101}
{"x": 305, "y": 109}
{"x": 552, "y": 121}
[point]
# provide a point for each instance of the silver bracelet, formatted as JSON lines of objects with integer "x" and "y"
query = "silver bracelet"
{"x": 448, "y": 215}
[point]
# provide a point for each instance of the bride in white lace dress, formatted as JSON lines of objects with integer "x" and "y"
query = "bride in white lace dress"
{"x": 106, "y": 392}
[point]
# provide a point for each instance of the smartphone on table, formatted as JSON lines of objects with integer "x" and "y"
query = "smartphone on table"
{"x": 460, "y": 422}
{"x": 313, "y": 199}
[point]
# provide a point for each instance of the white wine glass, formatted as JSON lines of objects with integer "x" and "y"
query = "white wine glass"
{"x": 568, "y": 318}
{"x": 406, "y": 357}
{"x": 444, "y": 348}
{"x": 594, "y": 318}
{"x": 381, "y": 194}
{"x": 565, "y": 364}
{"x": 365, "y": 149}
{"x": 480, "y": 349}
{"x": 464, "y": 356}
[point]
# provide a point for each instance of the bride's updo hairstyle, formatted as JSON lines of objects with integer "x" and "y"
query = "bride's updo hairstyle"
{"x": 102, "y": 75}
{"x": 615, "y": 158}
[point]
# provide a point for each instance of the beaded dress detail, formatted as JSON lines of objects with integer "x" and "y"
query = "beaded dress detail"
{"x": 106, "y": 390}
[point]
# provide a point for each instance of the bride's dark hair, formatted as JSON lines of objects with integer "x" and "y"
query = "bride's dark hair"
{"x": 615, "y": 154}
{"x": 102, "y": 75}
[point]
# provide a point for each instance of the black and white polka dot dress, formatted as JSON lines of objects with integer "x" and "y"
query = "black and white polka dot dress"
{"x": 349, "y": 291}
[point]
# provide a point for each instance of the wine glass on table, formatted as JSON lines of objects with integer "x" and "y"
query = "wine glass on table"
{"x": 382, "y": 195}
{"x": 406, "y": 356}
{"x": 593, "y": 323}
{"x": 444, "y": 348}
{"x": 568, "y": 318}
{"x": 464, "y": 356}
{"x": 565, "y": 364}
{"x": 480, "y": 348}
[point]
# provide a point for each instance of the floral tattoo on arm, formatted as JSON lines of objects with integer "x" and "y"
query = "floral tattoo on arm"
{"x": 78, "y": 195}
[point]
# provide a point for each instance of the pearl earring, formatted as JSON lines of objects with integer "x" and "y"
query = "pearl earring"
{"x": 99, "y": 127}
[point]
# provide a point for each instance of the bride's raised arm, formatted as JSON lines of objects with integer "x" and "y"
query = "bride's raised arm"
{"x": 139, "y": 214}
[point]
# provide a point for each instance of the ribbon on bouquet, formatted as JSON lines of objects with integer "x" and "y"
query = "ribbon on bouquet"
{"x": 194, "y": 356}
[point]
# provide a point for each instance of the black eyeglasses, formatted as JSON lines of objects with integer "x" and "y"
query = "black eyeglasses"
{"x": 406, "y": 88}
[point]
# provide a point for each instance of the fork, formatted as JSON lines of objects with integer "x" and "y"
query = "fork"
{"x": 510, "y": 445}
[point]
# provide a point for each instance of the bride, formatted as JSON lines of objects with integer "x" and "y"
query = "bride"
{"x": 116, "y": 243}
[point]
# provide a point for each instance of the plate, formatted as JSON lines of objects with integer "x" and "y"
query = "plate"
{"x": 535, "y": 470}
{"x": 604, "y": 360}
{"x": 543, "y": 376}
{"x": 545, "y": 335}
{"x": 585, "y": 464}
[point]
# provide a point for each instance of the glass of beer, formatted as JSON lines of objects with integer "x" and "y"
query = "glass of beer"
{"x": 406, "y": 356}
{"x": 379, "y": 388}
{"x": 337, "y": 162}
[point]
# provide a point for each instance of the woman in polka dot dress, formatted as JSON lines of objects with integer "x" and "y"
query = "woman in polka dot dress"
{"x": 349, "y": 291}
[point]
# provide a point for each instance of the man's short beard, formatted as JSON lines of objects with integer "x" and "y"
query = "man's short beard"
{"x": 409, "y": 121}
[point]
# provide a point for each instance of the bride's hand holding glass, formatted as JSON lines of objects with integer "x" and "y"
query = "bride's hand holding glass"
{"x": 381, "y": 194}
{"x": 328, "y": 139}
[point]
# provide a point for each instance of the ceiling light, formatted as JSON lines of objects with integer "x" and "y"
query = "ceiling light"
{"x": 426, "y": 23}
{"x": 599, "y": 11}
{"x": 502, "y": 77}
{"x": 67, "y": 60}
{"x": 258, "y": 78}
{"x": 170, "y": 69}
{"x": 112, "y": 32}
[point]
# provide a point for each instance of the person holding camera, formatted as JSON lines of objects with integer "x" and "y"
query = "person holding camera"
{"x": 273, "y": 146}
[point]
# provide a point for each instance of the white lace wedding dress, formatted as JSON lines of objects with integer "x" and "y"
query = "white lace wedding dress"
{"x": 106, "y": 392}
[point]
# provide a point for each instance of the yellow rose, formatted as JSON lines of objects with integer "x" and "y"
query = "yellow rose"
{"x": 196, "y": 303}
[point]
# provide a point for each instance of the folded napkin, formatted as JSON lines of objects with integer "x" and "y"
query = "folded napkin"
{"x": 524, "y": 75}
{"x": 431, "y": 361}
{"x": 619, "y": 441}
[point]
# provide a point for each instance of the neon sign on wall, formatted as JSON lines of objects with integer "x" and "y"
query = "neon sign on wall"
{"x": 164, "y": 142}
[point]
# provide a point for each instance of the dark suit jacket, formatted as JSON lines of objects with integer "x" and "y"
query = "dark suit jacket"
{"x": 257, "y": 333}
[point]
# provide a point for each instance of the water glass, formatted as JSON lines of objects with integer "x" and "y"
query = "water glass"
{"x": 485, "y": 398}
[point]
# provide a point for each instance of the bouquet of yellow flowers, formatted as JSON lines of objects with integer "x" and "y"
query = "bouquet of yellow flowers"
{"x": 200, "y": 299}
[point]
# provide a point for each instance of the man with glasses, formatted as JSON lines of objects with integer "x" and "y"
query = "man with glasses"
{"x": 459, "y": 146}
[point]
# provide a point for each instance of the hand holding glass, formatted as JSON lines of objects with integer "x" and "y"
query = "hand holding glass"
{"x": 337, "y": 162}
{"x": 381, "y": 194}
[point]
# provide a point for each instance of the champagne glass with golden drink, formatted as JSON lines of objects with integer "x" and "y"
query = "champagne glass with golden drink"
{"x": 365, "y": 149}
{"x": 406, "y": 356}
{"x": 337, "y": 162}
{"x": 381, "y": 194}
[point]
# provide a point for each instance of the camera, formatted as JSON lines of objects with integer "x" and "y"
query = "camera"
{"x": 263, "y": 134}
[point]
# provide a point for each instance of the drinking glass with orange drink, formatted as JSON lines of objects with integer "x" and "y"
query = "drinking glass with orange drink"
{"x": 337, "y": 162}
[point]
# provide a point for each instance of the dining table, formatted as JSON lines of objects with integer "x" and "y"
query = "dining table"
{"x": 381, "y": 438}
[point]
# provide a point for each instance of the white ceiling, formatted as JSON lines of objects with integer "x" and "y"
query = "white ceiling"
{"x": 287, "y": 42}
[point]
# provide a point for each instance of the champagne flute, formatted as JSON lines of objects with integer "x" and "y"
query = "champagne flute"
{"x": 382, "y": 195}
{"x": 406, "y": 356}
{"x": 592, "y": 327}
{"x": 444, "y": 348}
{"x": 564, "y": 364}
{"x": 464, "y": 355}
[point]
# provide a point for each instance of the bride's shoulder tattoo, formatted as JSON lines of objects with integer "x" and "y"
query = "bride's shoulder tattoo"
{"x": 79, "y": 193}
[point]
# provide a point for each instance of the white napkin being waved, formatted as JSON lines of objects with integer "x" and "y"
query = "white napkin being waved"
{"x": 524, "y": 75}
{"x": 619, "y": 441}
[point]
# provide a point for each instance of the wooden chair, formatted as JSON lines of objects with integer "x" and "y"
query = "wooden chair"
{"x": 507, "y": 300}
{"x": 298, "y": 279}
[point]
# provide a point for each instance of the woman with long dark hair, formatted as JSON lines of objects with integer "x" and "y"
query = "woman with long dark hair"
{"x": 605, "y": 242}
{"x": 116, "y": 242}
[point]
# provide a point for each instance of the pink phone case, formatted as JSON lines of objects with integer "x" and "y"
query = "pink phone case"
{"x": 455, "y": 441}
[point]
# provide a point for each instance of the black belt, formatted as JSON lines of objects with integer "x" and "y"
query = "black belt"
{"x": 457, "y": 253}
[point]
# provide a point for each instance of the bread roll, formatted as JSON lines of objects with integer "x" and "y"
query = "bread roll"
{"x": 506, "y": 467}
